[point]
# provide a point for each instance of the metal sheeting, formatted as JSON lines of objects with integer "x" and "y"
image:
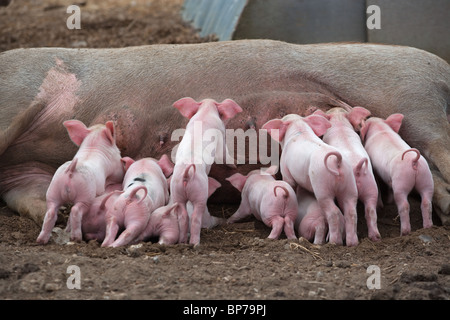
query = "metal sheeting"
{"x": 214, "y": 16}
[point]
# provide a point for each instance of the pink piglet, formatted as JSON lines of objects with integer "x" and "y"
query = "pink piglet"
{"x": 269, "y": 200}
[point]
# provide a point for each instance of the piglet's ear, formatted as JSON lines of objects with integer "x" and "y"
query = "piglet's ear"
{"x": 237, "y": 180}
{"x": 277, "y": 128}
{"x": 364, "y": 128}
{"x": 126, "y": 162}
{"x": 228, "y": 109}
{"x": 272, "y": 170}
{"x": 321, "y": 113}
{"x": 108, "y": 132}
{"x": 357, "y": 115}
{"x": 77, "y": 130}
{"x": 188, "y": 107}
{"x": 213, "y": 185}
{"x": 169, "y": 208}
{"x": 395, "y": 121}
{"x": 166, "y": 165}
{"x": 318, "y": 124}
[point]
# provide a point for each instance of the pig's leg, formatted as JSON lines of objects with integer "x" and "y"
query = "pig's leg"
{"x": 276, "y": 223}
{"x": 370, "y": 208}
{"x": 368, "y": 194}
{"x": 112, "y": 228}
{"x": 183, "y": 223}
{"x": 242, "y": 212}
{"x": 196, "y": 222}
{"x": 49, "y": 222}
{"x": 348, "y": 207}
{"x": 289, "y": 227}
{"x": 128, "y": 235}
{"x": 76, "y": 217}
{"x": 401, "y": 200}
{"x": 424, "y": 185}
{"x": 332, "y": 213}
{"x": 320, "y": 233}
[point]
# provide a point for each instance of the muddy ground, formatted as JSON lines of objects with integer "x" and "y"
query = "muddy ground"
{"x": 233, "y": 261}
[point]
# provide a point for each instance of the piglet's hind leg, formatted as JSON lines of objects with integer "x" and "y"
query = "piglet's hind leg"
{"x": 76, "y": 217}
{"x": 49, "y": 222}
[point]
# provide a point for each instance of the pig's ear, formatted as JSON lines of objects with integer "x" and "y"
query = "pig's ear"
{"x": 228, "y": 109}
{"x": 237, "y": 180}
{"x": 364, "y": 128}
{"x": 77, "y": 131}
{"x": 187, "y": 107}
{"x": 277, "y": 124}
{"x": 272, "y": 170}
{"x": 357, "y": 115}
{"x": 170, "y": 208}
{"x": 318, "y": 124}
{"x": 395, "y": 121}
{"x": 321, "y": 113}
{"x": 108, "y": 132}
{"x": 213, "y": 185}
{"x": 166, "y": 165}
{"x": 126, "y": 162}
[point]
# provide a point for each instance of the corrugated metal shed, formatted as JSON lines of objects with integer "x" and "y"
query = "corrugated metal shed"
{"x": 418, "y": 23}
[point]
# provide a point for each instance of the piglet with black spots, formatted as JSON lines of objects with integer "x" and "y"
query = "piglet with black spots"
{"x": 145, "y": 189}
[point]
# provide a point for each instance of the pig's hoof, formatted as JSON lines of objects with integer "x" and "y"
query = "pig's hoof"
{"x": 352, "y": 242}
{"x": 405, "y": 231}
{"x": 42, "y": 238}
{"x": 375, "y": 237}
{"x": 76, "y": 238}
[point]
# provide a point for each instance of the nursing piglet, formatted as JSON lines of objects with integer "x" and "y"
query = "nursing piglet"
{"x": 95, "y": 165}
{"x": 401, "y": 167}
{"x": 202, "y": 143}
{"x": 311, "y": 223}
{"x": 163, "y": 223}
{"x": 343, "y": 136}
{"x": 93, "y": 225}
{"x": 312, "y": 164}
{"x": 270, "y": 201}
{"x": 145, "y": 189}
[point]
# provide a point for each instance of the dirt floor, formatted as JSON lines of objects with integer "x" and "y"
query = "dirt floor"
{"x": 233, "y": 261}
